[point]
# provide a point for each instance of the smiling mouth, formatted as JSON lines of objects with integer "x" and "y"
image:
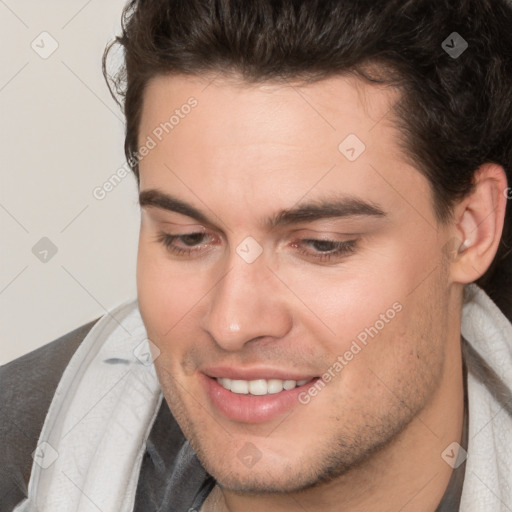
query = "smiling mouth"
{"x": 260, "y": 387}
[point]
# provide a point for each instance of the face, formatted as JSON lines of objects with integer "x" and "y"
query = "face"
{"x": 291, "y": 278}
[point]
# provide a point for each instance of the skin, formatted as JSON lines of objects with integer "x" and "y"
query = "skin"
{"x": 372, "y": 438}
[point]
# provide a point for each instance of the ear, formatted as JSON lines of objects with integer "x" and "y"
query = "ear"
{"x": 478, "y": 224}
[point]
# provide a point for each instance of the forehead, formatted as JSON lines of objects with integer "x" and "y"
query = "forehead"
{"x": 330, "y": 106}
{"x": 249, "y": 142}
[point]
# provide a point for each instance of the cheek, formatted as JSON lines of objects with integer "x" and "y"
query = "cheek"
{"x": 373, "y": 311}
{"x": 168, "y": 300}
{"x": 343, "y": 302}
{"x": 158, "y": 291}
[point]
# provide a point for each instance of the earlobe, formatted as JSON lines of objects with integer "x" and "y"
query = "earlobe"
{"x": 479, "y": 224}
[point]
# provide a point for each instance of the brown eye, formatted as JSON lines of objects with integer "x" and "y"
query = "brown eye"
{"x": 325, "y": 250}
{"x": 185, "y": 245}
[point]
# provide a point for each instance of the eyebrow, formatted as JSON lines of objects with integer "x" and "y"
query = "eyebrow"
{"x": 343, "y": 207}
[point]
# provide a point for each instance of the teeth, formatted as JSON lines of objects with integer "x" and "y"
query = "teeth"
{"x": 259, "y": 386}
{"x": 226, "y": 383}
{"x": 240, "y": 386}
{"x": 289, "y": 384}
{"x": 274, "y": 386}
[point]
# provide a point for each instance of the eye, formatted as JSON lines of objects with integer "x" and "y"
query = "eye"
{"x": 185, "y": 244}
{"x": 325, "y": 250}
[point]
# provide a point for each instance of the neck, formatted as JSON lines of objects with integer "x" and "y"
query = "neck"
{"x": 408, "y": 475}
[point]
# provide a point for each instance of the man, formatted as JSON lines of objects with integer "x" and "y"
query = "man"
{"x": 321, "y": 185}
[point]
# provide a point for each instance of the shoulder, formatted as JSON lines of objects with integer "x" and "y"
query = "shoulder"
{"x": 27, "y": 386}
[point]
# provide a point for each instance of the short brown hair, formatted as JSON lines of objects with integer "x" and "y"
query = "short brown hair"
{"x": 455, "y": 112}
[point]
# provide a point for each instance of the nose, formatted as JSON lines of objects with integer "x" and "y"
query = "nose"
{"x": 245, "y": 305}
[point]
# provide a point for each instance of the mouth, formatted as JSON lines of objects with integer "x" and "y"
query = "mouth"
{"x": 257, "y": 400}
{"x": 260, "y": 387}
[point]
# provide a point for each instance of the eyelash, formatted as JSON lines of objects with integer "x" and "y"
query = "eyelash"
{"x": 339, "y": 249}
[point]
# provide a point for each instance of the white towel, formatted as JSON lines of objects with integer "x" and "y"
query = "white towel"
{"x": 91, "y": 446}
{"x": 102, "y": 413}
{"x": 488, "y": 475}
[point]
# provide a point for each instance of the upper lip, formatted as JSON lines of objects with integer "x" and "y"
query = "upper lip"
{"x": 254, "y": 373}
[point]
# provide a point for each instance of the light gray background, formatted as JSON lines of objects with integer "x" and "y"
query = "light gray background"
{"x": 61, "y": 136}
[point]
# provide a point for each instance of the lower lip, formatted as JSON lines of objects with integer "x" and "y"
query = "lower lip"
{"x": 252, "y": 408}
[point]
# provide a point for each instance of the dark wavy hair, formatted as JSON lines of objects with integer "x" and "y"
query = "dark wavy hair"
{"x": 454, "y": 112}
